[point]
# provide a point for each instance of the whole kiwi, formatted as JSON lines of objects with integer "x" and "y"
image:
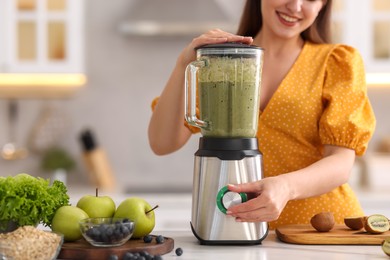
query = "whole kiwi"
{"x": 323, "y": 221}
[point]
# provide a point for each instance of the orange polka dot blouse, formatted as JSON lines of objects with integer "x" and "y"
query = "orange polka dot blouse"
{"x": 322, "y": 100}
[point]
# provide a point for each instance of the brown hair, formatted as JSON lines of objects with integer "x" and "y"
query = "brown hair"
{"x": 252, "y": 21}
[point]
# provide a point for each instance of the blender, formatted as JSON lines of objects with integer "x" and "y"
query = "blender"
{"x": 222, "y": 98}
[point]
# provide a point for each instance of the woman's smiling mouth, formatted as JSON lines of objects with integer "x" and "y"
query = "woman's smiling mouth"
{"x": 287, "y": 19}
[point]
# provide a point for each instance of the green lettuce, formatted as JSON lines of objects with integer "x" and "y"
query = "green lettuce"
{"x": 27, "y": 200}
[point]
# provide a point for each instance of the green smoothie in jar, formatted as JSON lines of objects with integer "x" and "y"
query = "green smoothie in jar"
{"x": 229, "y": 93}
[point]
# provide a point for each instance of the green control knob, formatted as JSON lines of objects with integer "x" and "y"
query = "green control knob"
{"x": 227, "y": 198}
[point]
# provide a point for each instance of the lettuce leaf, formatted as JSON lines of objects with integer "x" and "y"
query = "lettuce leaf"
{"x": 27, "y": 200}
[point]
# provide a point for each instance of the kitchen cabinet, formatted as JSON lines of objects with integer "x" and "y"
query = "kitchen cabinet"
{"x": 41, "y": 36}
{"x": 41, "y": 43}
{"x": 365, "y": 24}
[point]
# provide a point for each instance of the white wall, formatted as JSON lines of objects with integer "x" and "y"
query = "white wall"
{"x": 124, "y": 75}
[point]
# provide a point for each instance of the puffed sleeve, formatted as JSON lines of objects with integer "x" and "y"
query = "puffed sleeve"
{"x": 348, "y": 119}
{"x": 193, "y": 129}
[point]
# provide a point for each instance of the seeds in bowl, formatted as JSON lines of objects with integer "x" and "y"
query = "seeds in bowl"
{"x": 28, "y": 242}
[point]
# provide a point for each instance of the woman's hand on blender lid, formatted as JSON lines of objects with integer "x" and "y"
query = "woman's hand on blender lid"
{"x": 213, "y": 36}
{"x": 218, "y": 36}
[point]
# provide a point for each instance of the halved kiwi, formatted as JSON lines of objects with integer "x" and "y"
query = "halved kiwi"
{"x": 376, "y": 224}
{"x": 355, "y": 223}
{"x": 386, "y": 246}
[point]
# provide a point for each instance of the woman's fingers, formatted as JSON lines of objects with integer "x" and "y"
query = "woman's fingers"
{"x": 214, "y": 36}
{"x": 251, "y": 187}
{"x": 219, "y": 36}
{"x": 266, "y": 206}
{"x": 246, "y": 207}
{"x": 253, "y": 211}
{"x": 260, "y": 215}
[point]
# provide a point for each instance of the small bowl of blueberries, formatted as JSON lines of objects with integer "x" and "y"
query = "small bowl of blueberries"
{"x": 107, "y": 232}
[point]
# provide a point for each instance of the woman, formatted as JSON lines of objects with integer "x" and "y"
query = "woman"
{"x": 315, "y": 114}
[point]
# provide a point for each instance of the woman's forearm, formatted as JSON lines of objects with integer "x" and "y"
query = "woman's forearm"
{"x": 323, "y": 176}
{"x": 167, "y": 132}
{"x": 273, "y": 193}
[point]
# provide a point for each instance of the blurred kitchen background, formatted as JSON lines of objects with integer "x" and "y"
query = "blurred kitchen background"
{"x": 98, "y": 65}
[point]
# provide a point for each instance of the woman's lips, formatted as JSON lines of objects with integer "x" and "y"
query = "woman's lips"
{"x": 287, "y": 20}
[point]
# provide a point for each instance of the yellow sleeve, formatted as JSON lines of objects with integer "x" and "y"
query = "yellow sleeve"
{"x": 348, "y": 119}
{"x": 193, "y": 129}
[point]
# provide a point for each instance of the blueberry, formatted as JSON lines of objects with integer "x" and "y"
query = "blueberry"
{"x": 179, "y": 251}
{"x": 148, "y": 239}
{"x": 113, "y": 257}
{"x": 96, "y": 232}
{"x": 145, "y": 255}
{"x": 160, "y": 239}
{"x": 128, "y": 256}
{"x": 109, "y": 231}
{"x": 89, "y": 232}
{"x": 117, "y": 232}
{"x": 103, "y": 227}
{"x": 125, "y": 230}
{"x": 157, "y": 257}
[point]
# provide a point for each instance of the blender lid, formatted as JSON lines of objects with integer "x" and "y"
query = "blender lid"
{"x": 229, "y": 45}
{"x": 230, "y": 49}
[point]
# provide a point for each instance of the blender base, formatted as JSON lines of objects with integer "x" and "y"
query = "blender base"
{"x": 227, "y": 242}
{"x": 219, "y": 162}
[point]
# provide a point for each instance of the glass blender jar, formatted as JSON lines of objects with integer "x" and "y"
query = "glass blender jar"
{"x": 222, "y": 98}
{"x": 228, "y": 80}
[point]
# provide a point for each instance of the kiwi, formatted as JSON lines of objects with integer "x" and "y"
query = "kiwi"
{"x": 386, "y": 246}
{"x": 355, "y": 223}
{"x": 323, "y": 222}
{"x": 376, "y": 224}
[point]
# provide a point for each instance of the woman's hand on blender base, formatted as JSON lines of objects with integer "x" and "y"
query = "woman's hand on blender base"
{"x": 271, "y": 198}
{"x": 214, "y": 36}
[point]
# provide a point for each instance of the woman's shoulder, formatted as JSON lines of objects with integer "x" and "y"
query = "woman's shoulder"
{"x": 332, "y": 50}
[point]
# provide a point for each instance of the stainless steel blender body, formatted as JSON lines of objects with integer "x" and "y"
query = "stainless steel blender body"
{"x": 213, "y": 170}
{"x": 223, "y": 86}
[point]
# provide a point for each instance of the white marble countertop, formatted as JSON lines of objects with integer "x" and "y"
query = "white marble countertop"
{"x": 270, "y": 249}
{"x": 174, "y": 212}
{"x": 173, "y": 220}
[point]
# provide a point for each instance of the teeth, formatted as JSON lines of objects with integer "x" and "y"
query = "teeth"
{"x": 288, "y": 18}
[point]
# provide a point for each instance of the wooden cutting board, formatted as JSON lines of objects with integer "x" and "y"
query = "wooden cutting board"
{"x": 82, "y": 250}
{"x": 339, "y": 235}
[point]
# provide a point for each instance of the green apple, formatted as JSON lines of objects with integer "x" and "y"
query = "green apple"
{"x": 97, "y": 206}
{"x": 66, "y": 221}
{"x": 137, "y": 210}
